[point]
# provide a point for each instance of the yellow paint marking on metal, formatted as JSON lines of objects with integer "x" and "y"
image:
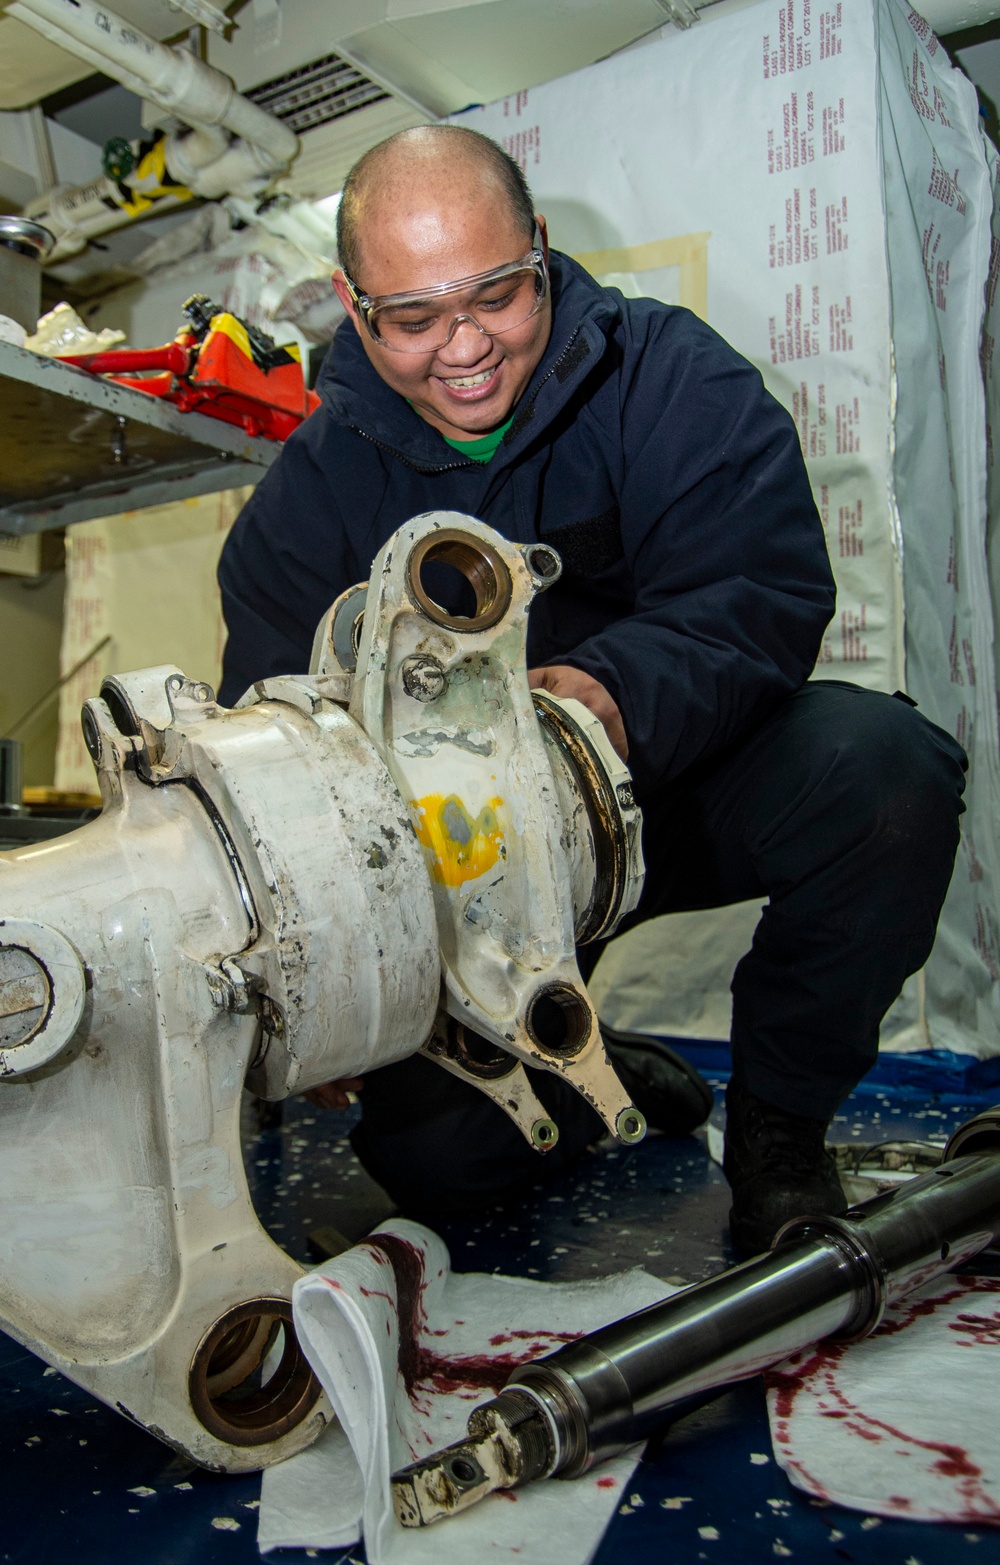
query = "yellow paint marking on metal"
{"x": 460, "y": 846}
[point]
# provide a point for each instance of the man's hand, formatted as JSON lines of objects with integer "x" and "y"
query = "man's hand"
{"x": 334, "y": 1094}
{"x": 573, "y": 684}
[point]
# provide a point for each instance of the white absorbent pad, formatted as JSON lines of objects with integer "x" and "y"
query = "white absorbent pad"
{"x": 405, "y": 1349}
{"x": 905, "y": 1422}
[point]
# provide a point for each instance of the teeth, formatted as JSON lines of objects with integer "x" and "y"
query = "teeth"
{"x": 461, "y": 382}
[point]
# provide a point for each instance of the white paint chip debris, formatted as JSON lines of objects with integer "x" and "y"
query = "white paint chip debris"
{"x": 783, "y": 1505}
{"x": 225, "y": 1524}
{"x": 183, "y": 1486}
{"x": 50, "y": 1371}
{"x": 636, "y": 1500}
{"x": 836, "y": 1535}
{"x": 59, "y": 1412}
{"x": 710, "y": 1534}
{"x": 675, "y": 1501}
{"x": 781, "y": 1549}
{"x": 870, "y": 1522}
{"x": 251, "y": 1505}
{"x": 142, "y": 1491}
{"x": 759, "y": 1458}
{"x": 33, "y": 1440}
{"x": 913, "y": 1561}
{"x": 625, "y": 1510}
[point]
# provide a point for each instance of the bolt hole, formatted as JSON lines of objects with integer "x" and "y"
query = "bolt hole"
{"x": 945, "y": 1250}
{"x": 459, "y": 582}
{"x": 559, "y": 1020}
{"x": 543, "y": 562}
{"x": 463, "y": 1470}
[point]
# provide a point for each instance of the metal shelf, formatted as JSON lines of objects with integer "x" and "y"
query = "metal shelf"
{"x": 74, "y": 447}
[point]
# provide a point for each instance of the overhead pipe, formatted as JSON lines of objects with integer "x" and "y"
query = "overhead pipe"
{"x": 233, "y": 147}
{"x": 825, "y": 1278}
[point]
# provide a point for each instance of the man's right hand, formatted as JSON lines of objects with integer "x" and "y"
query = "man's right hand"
{"x": 561, "y": 679}
{"x": 334, "y": 1094}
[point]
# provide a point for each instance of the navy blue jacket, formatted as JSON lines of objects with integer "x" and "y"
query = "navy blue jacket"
{"x": 696, "y": 583}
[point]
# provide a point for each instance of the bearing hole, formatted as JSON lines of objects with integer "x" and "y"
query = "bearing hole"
{"x": 450, "y": 589}
{"x": 478, "y": 1055}
{"x": 250, "y": 1382}
{"x": 458, "y": 582}
{"x": 558, "y": 1020}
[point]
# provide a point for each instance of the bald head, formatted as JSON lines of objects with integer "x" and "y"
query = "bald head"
{"x": 423, "y": 178}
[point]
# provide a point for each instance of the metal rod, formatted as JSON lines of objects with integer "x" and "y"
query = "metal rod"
{"x": 824, "y": 1277}
{"x": 53, "y": 691}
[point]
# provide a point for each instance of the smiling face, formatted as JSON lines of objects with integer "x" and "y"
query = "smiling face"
{"x": 432, "y": 221}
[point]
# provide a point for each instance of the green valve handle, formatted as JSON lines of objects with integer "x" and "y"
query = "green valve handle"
{"x": 118, "y": 159}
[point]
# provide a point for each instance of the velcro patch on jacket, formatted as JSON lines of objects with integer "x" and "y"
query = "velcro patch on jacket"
{"x": 522, "y": 417}
{"x": 589, "y": 546}
{"x": 573, "y": 356}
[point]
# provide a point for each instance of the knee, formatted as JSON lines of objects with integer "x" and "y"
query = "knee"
{"x": 890, "y": 767}
{"x": 874, "y": 762}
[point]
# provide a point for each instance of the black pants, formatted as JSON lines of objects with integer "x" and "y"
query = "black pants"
{"x": 842, "y": 809}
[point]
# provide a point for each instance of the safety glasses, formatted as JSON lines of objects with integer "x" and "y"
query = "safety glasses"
{"x": 425, "y": 319}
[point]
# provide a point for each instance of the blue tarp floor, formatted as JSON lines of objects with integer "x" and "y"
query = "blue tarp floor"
{"x": 82, "y": 1484}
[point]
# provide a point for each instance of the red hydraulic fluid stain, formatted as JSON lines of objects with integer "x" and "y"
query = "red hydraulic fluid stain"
{"x": 419, "y": 1366}
{"x": 377, "y": 1293}
{"x": 902, "y": 1315}
{"x": 531, "y": 1336}
{"x": 816, "y": 1375}
{"x": 607, "y": 1483}
{"x": 982, "y": 1330}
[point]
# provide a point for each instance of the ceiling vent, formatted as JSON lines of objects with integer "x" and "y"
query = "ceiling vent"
{"x": 316, "y": 94}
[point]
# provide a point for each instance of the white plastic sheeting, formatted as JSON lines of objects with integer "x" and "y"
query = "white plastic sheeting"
{"x": 147, "y": 580}
{"x": 827, "y": 207}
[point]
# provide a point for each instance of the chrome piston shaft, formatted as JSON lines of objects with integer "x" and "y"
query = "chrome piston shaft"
{"x": 824, "y": 1278}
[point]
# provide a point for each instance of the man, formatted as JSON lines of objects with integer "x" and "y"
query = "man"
{"x": 478, "y": 373}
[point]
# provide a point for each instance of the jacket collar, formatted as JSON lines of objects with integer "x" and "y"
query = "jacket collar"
{"x": 354, "y": 395}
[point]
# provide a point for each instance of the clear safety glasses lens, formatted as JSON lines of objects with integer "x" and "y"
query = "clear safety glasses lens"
{"x": 498, "y": 302}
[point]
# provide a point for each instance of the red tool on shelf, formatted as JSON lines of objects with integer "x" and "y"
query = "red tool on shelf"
{"x": 220, "y": 366}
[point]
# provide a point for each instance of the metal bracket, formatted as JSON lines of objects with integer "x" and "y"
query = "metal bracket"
{"x": 681, "y": 12}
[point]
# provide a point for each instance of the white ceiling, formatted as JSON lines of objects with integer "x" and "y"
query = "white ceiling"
{"x": 442, "y": 54}
{"x": 445, "y": 53}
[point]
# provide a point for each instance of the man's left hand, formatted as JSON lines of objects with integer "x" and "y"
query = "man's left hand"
{"x": 559, "y": 679}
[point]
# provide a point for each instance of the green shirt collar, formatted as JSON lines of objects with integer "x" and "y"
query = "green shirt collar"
{"x": 481, "y": 449}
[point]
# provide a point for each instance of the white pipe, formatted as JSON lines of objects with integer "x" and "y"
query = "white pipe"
{"x": 76, "y": 214}
{"x": 188, "y": 156}
{"x": 174, "y": 79}
{"x": 953, "y": 16}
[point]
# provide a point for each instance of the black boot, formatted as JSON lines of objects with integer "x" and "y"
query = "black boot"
{"x": 778, "y": 1168}
{"x": 661, "y": 1083}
